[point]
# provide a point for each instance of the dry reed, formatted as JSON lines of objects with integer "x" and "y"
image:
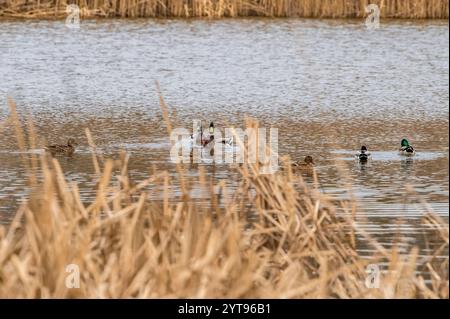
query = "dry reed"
{"x": 126, "y": 245}
{"x": 415, "y": 9}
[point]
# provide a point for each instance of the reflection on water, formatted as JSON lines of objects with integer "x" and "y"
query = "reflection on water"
{"x": 328, "y": 86}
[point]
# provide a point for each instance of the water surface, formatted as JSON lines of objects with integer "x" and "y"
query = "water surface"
{"x": 328, "y": 86}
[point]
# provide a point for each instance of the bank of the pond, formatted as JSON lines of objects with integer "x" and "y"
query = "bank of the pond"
{"x": 408, "y": 9}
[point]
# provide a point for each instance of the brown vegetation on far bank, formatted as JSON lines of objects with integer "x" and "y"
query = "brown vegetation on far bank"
{"x": 408, "y": 9}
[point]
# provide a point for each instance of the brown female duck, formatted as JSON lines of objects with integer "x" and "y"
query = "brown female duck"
{"x": 307, "y": 164}
{"x": 68, "y": 149}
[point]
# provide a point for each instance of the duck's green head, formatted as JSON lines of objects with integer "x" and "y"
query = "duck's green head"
{"x": 405, "y": 142}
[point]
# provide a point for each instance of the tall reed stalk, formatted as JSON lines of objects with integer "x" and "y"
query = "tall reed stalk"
{"x": 423, "y": 9}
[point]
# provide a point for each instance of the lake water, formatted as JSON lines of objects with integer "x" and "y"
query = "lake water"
{"x": 329, "y": 86}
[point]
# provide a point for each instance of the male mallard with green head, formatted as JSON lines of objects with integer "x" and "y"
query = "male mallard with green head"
{"x": 68, "y": 149}
{"x": 204, "y": 140}
{"x": 406, "y": 149}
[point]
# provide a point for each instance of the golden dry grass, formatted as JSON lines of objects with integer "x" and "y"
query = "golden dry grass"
{"x": 422, "y": 9}
{"x": 128, "y": 246}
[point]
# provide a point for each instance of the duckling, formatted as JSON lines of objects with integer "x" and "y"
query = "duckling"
{"x": 363, "y": 155}
{"x": 406, "y": 149}
{"x": 68, "y": 149}
{"x": 307, "y": 164}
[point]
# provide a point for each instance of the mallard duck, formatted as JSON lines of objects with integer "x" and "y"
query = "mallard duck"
{"x": 228, "y": 140}
{"x": 406, "y": 149}
{"x": 307, "y": 164}
{"x": 68, "y": 149}
{"x": 199, "y": 138}
{"x": 210, "y": 138}
{"x": 204, "y": 140}
{"x": 363, "y": 155}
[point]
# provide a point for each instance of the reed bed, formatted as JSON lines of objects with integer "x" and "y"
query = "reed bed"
{"x": 272, "y": 237}
{"x": 408, "y": 9}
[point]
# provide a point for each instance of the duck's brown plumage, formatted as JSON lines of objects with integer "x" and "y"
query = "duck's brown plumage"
{"x": 307, "y": 164}
{"x": 68, "y": 149}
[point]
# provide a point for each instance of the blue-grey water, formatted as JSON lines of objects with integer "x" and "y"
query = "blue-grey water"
{"x": 329, "y": 86}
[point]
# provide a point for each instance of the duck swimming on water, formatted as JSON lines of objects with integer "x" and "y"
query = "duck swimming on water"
{"x": 406, "y": 149}
{"x": 68, "y": 149}
{"x": 211, "y": 136}
{"x": 202, "y": 139}
{"x": 307, "y": 164}
{"x": 363, "y": 155}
